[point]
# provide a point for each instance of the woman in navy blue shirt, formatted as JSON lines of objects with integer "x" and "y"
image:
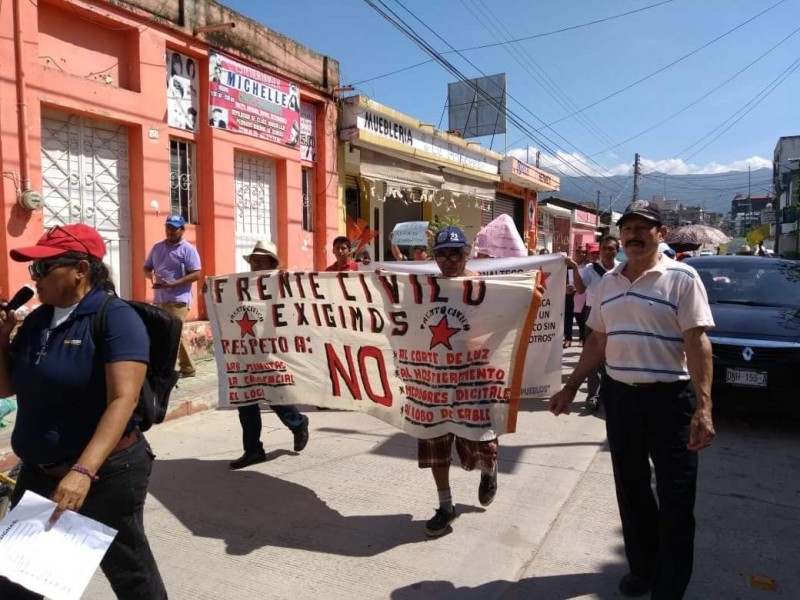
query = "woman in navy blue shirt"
{"x": 75, "y": 432}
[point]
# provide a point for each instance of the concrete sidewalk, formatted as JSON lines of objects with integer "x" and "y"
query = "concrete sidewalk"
{"x": 190, "y": 395}
{"x": 345, "y": 518}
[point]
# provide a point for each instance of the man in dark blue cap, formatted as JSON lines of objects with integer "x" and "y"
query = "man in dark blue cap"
{"x": 649, "y": 324}
{"x": 450, "y": 251}
{"x": 173, "y": 265}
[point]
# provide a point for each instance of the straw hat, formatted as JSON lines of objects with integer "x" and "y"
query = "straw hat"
{"x": 265, "y": 249}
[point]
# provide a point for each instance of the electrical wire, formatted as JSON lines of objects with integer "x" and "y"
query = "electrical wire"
{"x": 518, "y": 40}
{"x": 409, "y": 32}
{"x": 701, "y": 98}
{"x": 667, "y": 66}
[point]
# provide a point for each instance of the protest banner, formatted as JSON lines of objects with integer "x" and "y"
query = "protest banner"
{"x": 427, "y": 355}
{"x": 410, "y": 233}
{"x": 543, "y": 364}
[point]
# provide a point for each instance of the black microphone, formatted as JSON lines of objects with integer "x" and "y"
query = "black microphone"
{"x": 21, "y": 297}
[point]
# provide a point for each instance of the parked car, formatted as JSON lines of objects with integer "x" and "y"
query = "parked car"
{"x": 756, "y": 341}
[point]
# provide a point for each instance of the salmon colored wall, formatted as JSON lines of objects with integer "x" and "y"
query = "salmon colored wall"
{"x": 66, "y": 44}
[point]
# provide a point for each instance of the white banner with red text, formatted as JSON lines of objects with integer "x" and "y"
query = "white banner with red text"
{"x": 542, "y": 376}
{"x": 426, "y": 354}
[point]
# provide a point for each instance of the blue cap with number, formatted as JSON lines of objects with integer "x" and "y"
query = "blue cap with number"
{"x": 449, "y": 237}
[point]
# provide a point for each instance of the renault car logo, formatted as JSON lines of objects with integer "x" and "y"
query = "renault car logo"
{"x": 748, "y": 353}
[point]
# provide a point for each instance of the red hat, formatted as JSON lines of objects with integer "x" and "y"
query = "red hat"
{"x": 62, "y": 239}
{"x": 592, "y": 247}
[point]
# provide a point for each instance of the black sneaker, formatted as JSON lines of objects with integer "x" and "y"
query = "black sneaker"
{"x": 593, "y": 404}
{"x": 633, "y": 586}
{"x": 301, "y": 436}
{"x": 488, "y": 488}
{"x": 440, "y": 523}
{"x": 247, "y": 459}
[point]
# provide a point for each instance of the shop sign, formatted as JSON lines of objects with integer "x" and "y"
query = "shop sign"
{"x": 526, "y": 174}
{"x": 376, "y": 120}
{"x": 253, "y": 102}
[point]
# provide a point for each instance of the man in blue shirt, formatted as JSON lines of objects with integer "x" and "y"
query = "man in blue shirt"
{"x": 173, "y": 265}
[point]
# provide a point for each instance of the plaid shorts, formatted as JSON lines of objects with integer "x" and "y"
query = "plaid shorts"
{"x": 437, "y": 452}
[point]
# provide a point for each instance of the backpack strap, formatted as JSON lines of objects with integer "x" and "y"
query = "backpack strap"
{"x": 97, "y": 326}
{"x": 599, "y": 269}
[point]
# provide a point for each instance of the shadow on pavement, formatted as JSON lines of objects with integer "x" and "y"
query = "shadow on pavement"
{"x": 249, "y": 510}
{"x": 601, "y": 585}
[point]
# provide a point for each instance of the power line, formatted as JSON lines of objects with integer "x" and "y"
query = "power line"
{"x": 518, "y": 40}
{"x": 409, "y": 32}
{"x": 528, "y": 63}
{"x": 744, "y": 110}
{"x": 701, "y": 98}
{"x": 665, "y": 67}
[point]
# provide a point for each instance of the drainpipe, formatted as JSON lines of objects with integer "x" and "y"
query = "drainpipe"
{"x": 22, "y": 115}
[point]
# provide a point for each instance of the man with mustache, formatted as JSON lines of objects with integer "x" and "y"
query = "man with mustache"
{"x": 603, "y": 257}
{"x": 649, "y": 324}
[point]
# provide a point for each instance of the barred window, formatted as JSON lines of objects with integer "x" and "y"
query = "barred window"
{"x": 182, "y": 180}
{"x": 308, "y": 200}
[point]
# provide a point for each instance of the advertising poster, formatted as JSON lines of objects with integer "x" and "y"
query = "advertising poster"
{"x": 427, "y": 355}
{"x": 252, "y": 101}
{"x": 182, "y": 101}
{"x": 308, "y": 131}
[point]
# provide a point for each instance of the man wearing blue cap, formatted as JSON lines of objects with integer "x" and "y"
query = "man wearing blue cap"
{"x": 173, "y": 265}
{"x": 450, "y": 251}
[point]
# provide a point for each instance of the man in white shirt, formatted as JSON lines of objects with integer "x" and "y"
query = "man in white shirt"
{"x": 650, "y": 319}
{"x": 588, "y": 278}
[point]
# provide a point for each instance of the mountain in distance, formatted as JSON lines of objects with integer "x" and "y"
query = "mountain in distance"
{"x": 713, "y": 192}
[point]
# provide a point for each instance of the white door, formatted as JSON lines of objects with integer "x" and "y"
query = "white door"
{"x": 85, "y": 180}
{"x": 254, "y": 181}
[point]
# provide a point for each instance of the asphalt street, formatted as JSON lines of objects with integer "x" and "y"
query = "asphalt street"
{"x": 345, "y": 518}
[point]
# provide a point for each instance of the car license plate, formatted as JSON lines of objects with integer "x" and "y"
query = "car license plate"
{"x": 746, "y": 377}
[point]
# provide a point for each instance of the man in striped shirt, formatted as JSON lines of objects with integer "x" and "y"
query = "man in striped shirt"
{"x": 649, "y": 324}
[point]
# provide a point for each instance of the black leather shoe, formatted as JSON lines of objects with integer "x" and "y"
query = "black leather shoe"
{"x": 633, "y": 587}
{"x": 301, "y": 437}
{"x": 247, "y": 459}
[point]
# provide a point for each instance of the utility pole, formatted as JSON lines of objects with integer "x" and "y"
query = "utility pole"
{"x": 598, "y": 200}
{"x": 636, "y": 178}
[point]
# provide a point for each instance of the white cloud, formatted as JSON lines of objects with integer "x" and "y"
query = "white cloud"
{"x": 573, "y": 164}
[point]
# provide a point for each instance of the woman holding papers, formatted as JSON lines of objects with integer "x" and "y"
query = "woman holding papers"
{"x": 75, "y": 431}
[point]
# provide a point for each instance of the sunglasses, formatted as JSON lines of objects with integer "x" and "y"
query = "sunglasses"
{"x": 448, "y": 257}
{"x": 42, "y": 268}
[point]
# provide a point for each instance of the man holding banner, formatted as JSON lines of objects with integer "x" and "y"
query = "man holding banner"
{"x": 450, "y": 251}
{"x": 264, "y": 257}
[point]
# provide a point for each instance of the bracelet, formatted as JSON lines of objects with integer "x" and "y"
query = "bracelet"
{"x": 83, "y": 471}
{"x": 571, "y": 387}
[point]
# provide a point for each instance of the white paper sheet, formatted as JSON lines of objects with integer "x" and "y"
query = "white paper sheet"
{"x": 58, "y": 563}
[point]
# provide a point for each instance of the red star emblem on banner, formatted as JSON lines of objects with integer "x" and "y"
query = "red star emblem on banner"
{"x": 544, "y": 279}
{"x": 246, "y": 324}
{"x": 442, "y": 332}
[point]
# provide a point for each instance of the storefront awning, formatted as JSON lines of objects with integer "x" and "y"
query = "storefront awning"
{"x": 385, "y": 175}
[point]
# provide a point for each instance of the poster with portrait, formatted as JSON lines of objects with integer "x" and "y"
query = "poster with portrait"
{"x": 308, "y": 131}
{"x": 182, "y": 85}
{"x": 253, "y": 102}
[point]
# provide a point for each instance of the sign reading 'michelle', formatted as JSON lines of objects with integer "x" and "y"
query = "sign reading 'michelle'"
{"x": 253, "y": 102}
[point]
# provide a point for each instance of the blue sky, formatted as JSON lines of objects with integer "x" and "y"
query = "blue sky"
{"x": 552, "y": 76}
